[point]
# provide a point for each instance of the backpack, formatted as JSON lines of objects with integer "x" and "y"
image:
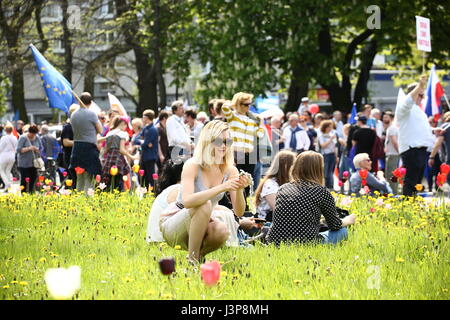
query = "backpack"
{"x": 377, "y": 149}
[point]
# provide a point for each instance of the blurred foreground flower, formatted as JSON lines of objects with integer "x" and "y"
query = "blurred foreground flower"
{"x": 419, "y": 187}
{"x": 210, "y": 272}
{"x": 79, "y": 170}
{"x": 136, "y": 168}
{"x": 114, "y": 171}
{"x": 69, "y": 182}
{"x": 90, "y": 192}
{"x": 63, "y": 283}
{"x": 167, "y": 266}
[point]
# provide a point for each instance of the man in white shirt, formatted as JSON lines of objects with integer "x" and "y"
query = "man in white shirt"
{"x": 296, "y": 137}
{"x": 391, "y": 148}
{"x": 180, "y": 143}
{"x": 415, "y": 135}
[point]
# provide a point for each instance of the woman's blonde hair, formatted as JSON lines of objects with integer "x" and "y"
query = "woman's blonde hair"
{"x": 279, "y": 170}
{"x": 309, "y": 166}
{"x": 239, "y": 97}
{"x": 204, "y": 151}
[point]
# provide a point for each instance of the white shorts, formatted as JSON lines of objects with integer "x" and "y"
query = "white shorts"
{"x": 175, "y": 228}
{"x": 175, "y": 223}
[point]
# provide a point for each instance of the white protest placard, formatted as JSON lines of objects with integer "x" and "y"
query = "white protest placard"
{"x": 423, "y": 34}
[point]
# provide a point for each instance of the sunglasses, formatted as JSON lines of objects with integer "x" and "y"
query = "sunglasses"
{"x": 368, "y": 160}
{"x": 218, "y": 142}
{"x": 420, "y": 95}
{"x": 247, "y": 104}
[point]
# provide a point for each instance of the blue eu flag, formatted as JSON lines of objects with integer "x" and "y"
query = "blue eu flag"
{"x": 57, "y": 88}
{"x": 352, "y": 119}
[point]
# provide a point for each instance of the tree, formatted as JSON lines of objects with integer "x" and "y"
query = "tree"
{"x": 15, "y": 16}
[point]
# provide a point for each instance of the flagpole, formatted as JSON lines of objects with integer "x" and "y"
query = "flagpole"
{"x": 423, "y": 62}
{"x": 79, "y": 100}
{"x": 446, "y": 100}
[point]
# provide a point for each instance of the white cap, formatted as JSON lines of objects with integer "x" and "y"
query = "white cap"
{"x": 304, "y": 99}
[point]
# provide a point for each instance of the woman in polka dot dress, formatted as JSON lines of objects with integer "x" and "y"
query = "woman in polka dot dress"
{"x": 301, "y": 203}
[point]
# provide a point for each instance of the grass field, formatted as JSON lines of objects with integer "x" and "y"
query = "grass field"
{"x": 396, "y": 250}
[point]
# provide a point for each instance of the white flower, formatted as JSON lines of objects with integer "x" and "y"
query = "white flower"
{"x": 141, "y": 190}
{"x": 90, "y": 192}
{"x": 379, "y": 202}
{"x": 64, "y": 192}
{"x": 102, "y": 186}
{"x": 347, "y": 201}
{"x": 63, "y": 283}
{"x": 388, "y": 206}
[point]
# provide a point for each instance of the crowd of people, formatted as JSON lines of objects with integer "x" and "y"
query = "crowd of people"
{"x": 203, "y": 168}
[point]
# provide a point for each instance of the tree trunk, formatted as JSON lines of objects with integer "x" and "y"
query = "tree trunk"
{"x": 18, "y": 94}
{"x": 370, "y": 50}
{"x": 157, "y": 54}
{"x": 146, "y": 75}
{"x": 147, "y": 82}
{"x": 89, "y": 79}
{"x": 67, "y": 41}
{"x": 297, "y": 90}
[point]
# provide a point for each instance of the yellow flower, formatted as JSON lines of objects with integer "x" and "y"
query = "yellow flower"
{"x": 5, "y": 287}
{"x": 114, "y": 171}
{"x": 419, "y": 187}
{"x": 398, "y": 259}
{"x": 42, "y": 260}
{"x": 136, "y": 168}
{"x": 23, "y": 283}
{"x": 14, "y": 282}
{"x": 150, "y": 292}
{"x": 69, "y": 182}
{"x": 177, "y": 247}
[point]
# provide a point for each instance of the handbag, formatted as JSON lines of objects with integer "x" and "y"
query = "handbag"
{"x": 38, "y": 163}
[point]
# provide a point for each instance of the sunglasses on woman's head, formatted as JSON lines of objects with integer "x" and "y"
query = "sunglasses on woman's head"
{"x": 218, "y": 142}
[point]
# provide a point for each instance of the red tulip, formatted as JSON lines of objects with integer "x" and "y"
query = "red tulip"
{"x": 445, "y": 168}
{"x": 372, "y": 210}
{"x": 141, "y": 172}
{"x": 14, "y": 179}
{"x": 38, "y": 184}
{"x": 345, "y": 174}
{"x": 167, "y": 265}
{"x": 64, "y": 174}
{"x": 364, "y": 182}
{"x": 41, "y": 179}
{"x": 79, "y": 170}
{"x": 27, "y": 180}
{"x": 441, "y": 179}
{"x": 340, "y": 183}
{"x": 155, "y": 176}
{"x": 210, "y": 272}
{"x": 98, "y": 178}
{"x": 363, "y": 173}
{"x": 403, "y": 171}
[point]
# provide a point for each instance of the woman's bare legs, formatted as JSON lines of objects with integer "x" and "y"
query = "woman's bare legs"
{"x": 200, "y": 217}
{"x": 216, "y": 235}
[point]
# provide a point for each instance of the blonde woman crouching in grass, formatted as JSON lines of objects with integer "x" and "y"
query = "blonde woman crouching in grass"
{"x": 204, "y": 180}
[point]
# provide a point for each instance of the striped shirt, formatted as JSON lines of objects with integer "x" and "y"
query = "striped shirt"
{"x": 243, "y": 129}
